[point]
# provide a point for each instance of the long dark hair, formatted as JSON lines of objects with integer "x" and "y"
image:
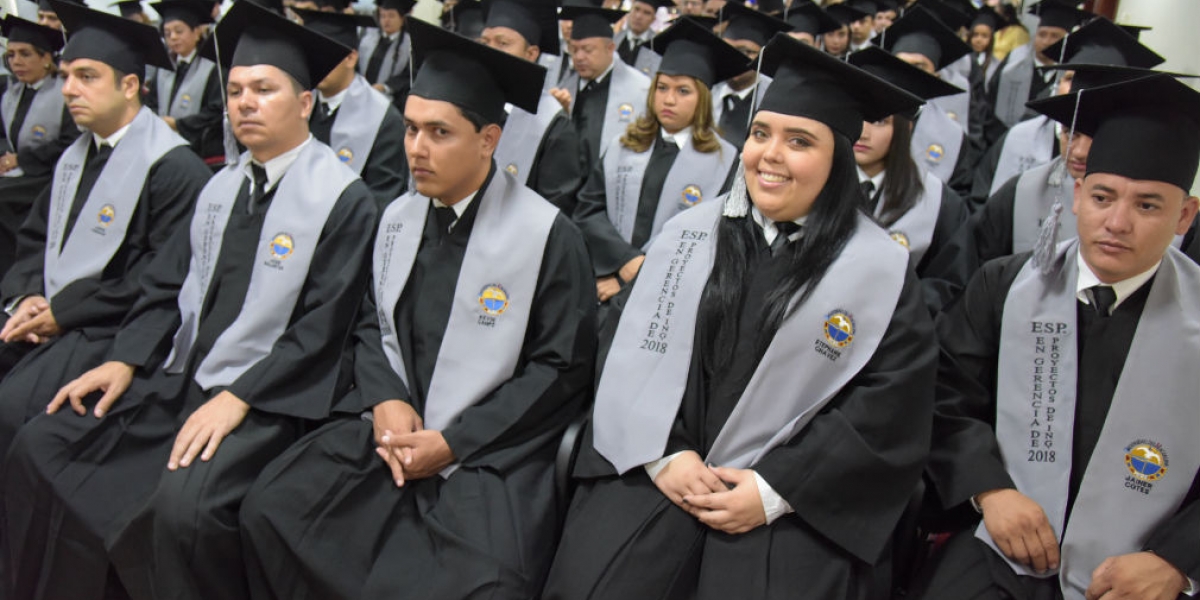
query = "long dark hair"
{"x": 902, "y": 186}
{"x": 830, "y": 223}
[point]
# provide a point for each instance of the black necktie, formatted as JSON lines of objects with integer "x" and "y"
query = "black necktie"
{"x": 101, "y": 153}
{"x": 180, "y": 72}
{"x": 260, "y": 186}
{"x": 1103, "y": 298}
{"x": 868, "y": 189}
{"x": 783, "y": 234}
{"x": 376, "y": 61}
{"x": 446, "y": 217}
{"x": 323, "y": 110}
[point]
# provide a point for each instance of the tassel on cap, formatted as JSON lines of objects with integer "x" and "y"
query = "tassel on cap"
{"x": 1047, "y": 240}
{"x": 737, "y": 203}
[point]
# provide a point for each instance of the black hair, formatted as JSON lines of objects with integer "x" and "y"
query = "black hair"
{"x": 902, "y": 186}
{"x": 831, "y": 222}
{"x": 476, "y": 119}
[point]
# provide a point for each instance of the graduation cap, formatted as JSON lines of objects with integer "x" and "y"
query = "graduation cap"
{"x": 920, "y": 32}
{"x": 867, "y": 7}
{"x": 128, "y": 8}
{"x": 846, "y": 14}
{"x": 811, "y": 19}
{"x": 1103, "y": 42}
{"x": 336, "y": 6}
{"x": 590, "y": 21}
{"x": 251, "y": 35}
{"x": 749, "y": 24}
{"x": 192, "y": 12}
{"x": 1059, "y": 13}
{"x": 1089, "y": 76}
{"x": 470, "y": 75}
{"x": 657, "y": 4}
{"x": 770, "y": 7}
{"x": 125, "y": 45}
{"x": 887, "y": 67}
{"x": 812, "y": 84}
{"x": 1134, "y": 30}
{"x": 1146, "y": 129}
{"x": 464, "y": 18}
{"x": 403, "y": 6}
{"x": 990, "y": 18}
{"x": 954, "y": 15}
{"x": 339, "y": 27}
{"x": 275, "y": 6}
{"x": 45, "y": 6}
{"x": 705, "y": 21}
{"x": 16, "y": 29}
{"x": 534, "y": 20}
{"x": 688, "y": 48}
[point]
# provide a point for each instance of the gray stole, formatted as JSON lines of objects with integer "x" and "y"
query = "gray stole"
{"x": 1013, "y": 85}
{"x": 42, "y": 122}
{"x": 914, "y": 230}
{"x": 627, "y": 94}
{"x": 357, "y": 122}
{"x": 1028, "y": 144}
{"x": 522, "y": 137}
{"x": 190, "y": 96}
{"x": 956, "y": 106}
{"x": 693, "y": 175}
{"x": 936, "y": 141}
{"x": 815, "y": 353}
{"x": 1037, "y": 190}
{"x": 647, "y": 61}
{"x": 111, "y": 202}
{"x": 291, "y": 229}
{"x": 1148, "y": 452}
{"x": 394, "y": 61}
{"x": 493, "y": 298}
{"x": 959, "y": 70}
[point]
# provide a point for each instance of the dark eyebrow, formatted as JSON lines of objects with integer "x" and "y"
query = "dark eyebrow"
{"x": 801, "y": 131}
{"x": 1103, "y": 188}
{"x": 441, "y": 124}
{"x": 1151, "y": 196}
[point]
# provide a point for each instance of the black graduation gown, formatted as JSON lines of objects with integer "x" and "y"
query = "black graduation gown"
{"x": 205, "y": 130}
{"x": 624, "y": 539}
{"x": 386, "y": 170}
{"x": 557, "y": 173}
{"x": 101, "y": 483}
{"x": 608, "y": 249}
{"x": 89, "y": 311}
{"x": 587, "y": 116}
{"x": 17, "y": 194}
{"x": 965, "y": 459}
{"x": 952, "y": 215}
{"x": 484, "y": 532}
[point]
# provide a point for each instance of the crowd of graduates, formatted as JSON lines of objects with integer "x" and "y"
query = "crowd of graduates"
{"x": 853, "y": 299}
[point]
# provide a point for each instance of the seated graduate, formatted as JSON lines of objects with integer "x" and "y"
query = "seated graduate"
{"x": 917, "y": 209}
{"x": 189, "y": 98}
{"x": 733, "y": 98}
{"x": 761, "y": 428}
{"x": 1088, "y": 485}
{"x": 384, "y": 52}
{"x": 809, "y": 22}
{"x": 120, "y": 191}
{"x": 541, "y": 147}
{"x": 668, "y": 161}
{"x": 357, "y": 121}
{"x": 473, "y": 352}
{"x": 35, "y": 125}
{"x": 256, "y": 302}
{"x": 837, "y": 42}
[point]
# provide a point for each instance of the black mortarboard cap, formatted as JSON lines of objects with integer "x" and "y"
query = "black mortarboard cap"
{"x": 811, "y": 19}
{"x": 125, "y": 45}
{"x": 749, "y": 24}
{"x": 335, "y": 5}
{"x": 689, "y": 49}
{"x": 465, "y": 18}
{"x": 887, "y": 67}
{"x": 846, "y": 14}
{"x": 251, "y": 35}
{"x": 989, "y": 17}
{"x": 771, "y": 7}
{"x": 952, "y": 14}
{"x": 470, "y": 75}
{"x": 1102, "y": 42}
{"x": 1088, "y": 76}
{"x": 867, "y": 7}
{"x": 16, "y": 29}
{"x": 657, "y": 4}
{"x": 403, "y": 6}
{"x": 191, "y": 12}
{"x": 1059, "y": 13}
{"x": 340, "y": 27}
{"x": 1146, "y": 129}
{"x": 534, "y": 20}
{"x": 810, "y": 83}
{"x": 128, "y": 8}
{"x": 590, "y": 21}
{"x": 46, "y": 6}
{"x": 1134, "y": 30}
{"x": 275, "y": 6}
{"x": 705, "y": 21}
{"x": 919, "y": 32}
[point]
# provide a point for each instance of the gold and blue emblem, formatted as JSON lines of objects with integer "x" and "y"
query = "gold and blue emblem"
{"x": 953, "y": 115}
{"x": 345, "y": 155}
{"x": 625, "y": 112}
{"x": 935, "y": 152}
{"x": 692, "y": 195}
{"x": 512, "y": 169}
{"x": 1146, "y": 461}
{"x": 493, "y": 299}
{"x": 39, "y": 132}
{"x": 185, "y": 101}
{"x": 900, "y": 238}
{"x": 282, "y": 246}
{"x": 108, "y": 213}
{"x": 839, "y": 328}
